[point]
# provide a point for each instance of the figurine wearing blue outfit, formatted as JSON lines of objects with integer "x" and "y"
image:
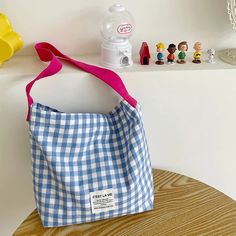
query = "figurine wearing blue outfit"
{"x": 160, "y": 57}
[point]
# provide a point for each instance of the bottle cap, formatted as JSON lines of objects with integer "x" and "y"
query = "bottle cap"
{"x": 117, "y": 8}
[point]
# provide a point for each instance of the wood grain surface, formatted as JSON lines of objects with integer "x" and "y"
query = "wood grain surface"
{"x": 183, "y": 206}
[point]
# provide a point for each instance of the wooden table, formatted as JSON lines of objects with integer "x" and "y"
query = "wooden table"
{"x": 183, "y": 206}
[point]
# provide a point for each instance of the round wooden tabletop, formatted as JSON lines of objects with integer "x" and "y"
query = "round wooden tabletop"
{"x": 183, "y": 206}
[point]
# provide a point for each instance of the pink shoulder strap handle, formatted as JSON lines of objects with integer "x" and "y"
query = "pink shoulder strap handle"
{"x": 48, "y": 52}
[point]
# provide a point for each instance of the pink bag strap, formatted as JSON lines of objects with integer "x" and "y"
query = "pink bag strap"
{"x": 48, "y": 52}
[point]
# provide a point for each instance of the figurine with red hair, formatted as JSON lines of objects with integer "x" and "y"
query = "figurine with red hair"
{"x": 182, "y": 47}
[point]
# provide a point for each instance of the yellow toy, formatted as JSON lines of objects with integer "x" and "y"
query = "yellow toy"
{"x": 197, "y": 55}
{"x": 10, "y": 41}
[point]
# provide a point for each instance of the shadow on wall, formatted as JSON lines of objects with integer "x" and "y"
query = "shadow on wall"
{"x": 82, "y": 31}
{"x": 210, "y": 17}
{"x": 75, "y": 29}
{"x": 174, "y": 21}
{"x": 16, "y": 178}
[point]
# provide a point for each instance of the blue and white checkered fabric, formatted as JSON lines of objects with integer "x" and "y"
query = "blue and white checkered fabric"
{"x": 74, "y": 154}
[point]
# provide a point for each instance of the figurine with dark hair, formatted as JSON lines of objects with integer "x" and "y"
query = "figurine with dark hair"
{"x": 182, "y": 47}
{"x": 171, "y": 57}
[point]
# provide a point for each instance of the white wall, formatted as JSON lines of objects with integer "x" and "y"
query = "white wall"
{"x": 74, "y": 25}
{"x": 189, "y": 116}
{"x": 189, "y": 119}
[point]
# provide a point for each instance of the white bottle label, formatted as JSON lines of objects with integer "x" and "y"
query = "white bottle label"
{"x": 102, "y": 201}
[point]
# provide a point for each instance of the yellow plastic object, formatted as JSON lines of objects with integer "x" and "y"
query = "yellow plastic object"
{"x": 10, "y": 41}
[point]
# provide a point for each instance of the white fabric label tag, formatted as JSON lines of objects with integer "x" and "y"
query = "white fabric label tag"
{"x": 102, "y": 201}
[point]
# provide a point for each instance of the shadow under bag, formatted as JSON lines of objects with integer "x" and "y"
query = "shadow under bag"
{"x": 88, "y": 166}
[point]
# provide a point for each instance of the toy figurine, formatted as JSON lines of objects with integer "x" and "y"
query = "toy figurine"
{"x": 197, "y": 55}
{"x": 182, "y": 47}
{"x": 171, "y": 57}
{"x": 10, "y": 41}
{"x": 144, "y": 54}
{"x": 116, "y": 29}
{"x": 211, "y": 56}
{"x": 160, "y": 47}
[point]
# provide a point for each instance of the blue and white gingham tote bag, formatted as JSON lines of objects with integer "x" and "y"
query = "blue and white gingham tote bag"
{"x": 86, "y": 166}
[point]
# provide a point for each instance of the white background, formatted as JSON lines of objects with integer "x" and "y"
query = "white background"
{"x": 189, "y": 116}
{"x": 74, "y": 25}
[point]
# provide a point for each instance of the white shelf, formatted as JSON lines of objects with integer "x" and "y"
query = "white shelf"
{"x": 27, "y": 65}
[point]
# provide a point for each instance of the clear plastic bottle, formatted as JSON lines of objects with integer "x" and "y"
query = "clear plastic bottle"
{"x": 116, "y": 29}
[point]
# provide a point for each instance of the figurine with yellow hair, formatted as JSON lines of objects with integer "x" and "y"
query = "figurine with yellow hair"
{"x": 160, "y": 47}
